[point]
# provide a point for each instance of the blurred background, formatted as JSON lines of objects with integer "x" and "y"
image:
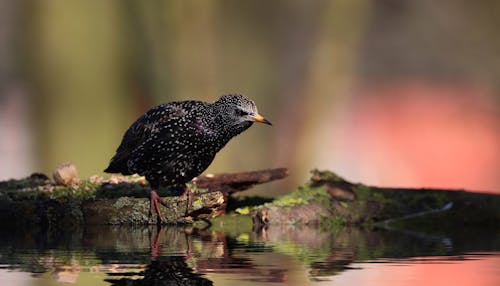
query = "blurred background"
{"x": 389, "y": 92}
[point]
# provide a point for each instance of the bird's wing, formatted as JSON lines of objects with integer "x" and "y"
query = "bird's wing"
{"x": 142, "y": 132}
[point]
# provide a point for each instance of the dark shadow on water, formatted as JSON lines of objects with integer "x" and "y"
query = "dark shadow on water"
{"x": 184, "y": 255}
{"x": 171, "y": 270}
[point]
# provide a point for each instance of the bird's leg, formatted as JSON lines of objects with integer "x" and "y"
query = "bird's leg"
{"x": 154, "y": 207}
{"x": 155, "y": 243}
{"x": 189, "y": 194}
{"x": 189, "y": 253}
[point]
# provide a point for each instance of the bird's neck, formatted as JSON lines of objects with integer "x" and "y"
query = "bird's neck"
{"x": 221, "y": 123}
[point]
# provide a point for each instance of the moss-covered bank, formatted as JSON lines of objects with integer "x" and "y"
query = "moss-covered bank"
{"x": 326, "y": 200}
{"x": 35, "y": 200}
{"x": 329, "y": 200}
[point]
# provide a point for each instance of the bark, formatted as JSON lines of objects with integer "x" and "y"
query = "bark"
{"x": 330, "y": 200}
{"x": 124, "y": 200}
{"x": 235, "y": 182}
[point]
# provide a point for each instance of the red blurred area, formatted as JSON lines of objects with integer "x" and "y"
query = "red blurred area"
{"x": 426, "y": 134}
{"x": 423, "y": 271}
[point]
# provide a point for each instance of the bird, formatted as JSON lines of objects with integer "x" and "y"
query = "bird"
{"x": 174, "y": 142}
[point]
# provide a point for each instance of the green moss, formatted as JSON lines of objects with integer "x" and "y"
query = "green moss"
{"x": 303, "y": 252}
{"x": 325, "y": 176}
{"x": 30, "y": 182}
{"x": 333, "y": 222}
{"x": 231, "y": 224}
{"x": 62, "y": 194}
{"x": 85, "y": 191}
{"x": 243, "y": 211}
{"x": 344, "y": 204}
{"x": 362, "y": 191}
{"x": 136, "y": 211}
{"x": 304, "y": 195}
{"x": 197, "y": 203}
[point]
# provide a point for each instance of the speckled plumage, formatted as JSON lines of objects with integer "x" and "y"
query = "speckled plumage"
{"x": 175, "y": 142}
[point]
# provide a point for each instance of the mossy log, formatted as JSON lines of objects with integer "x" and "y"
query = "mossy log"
{"x": 38, "y": 201}
{"x": 328, "y": 199}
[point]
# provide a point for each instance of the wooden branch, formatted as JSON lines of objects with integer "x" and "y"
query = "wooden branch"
{"x": 235, "y": 182}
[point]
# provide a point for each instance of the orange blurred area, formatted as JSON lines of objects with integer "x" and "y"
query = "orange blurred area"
{"x": 425, "y": 134}
{"x": 480, "y": 272}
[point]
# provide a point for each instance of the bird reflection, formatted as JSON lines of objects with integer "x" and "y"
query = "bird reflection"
{"x": 171, "y": 270}
{"x": 163, "y": 270}
{"x": 183, "y": 256}
{"x": 218, "y": 254}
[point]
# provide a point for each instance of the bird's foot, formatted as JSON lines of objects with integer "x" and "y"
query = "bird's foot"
{"x": 189, "y": 194}
{"x": 155, "y": 244}
{"x": 154, "y": 201}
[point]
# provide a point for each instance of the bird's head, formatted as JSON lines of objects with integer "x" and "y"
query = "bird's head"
{"x": 239, "y": 111}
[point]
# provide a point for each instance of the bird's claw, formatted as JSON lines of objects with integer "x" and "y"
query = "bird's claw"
{"x": 155, "y": 200}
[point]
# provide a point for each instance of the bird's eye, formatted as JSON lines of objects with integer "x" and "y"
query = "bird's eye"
{"x": 241, "y": 112}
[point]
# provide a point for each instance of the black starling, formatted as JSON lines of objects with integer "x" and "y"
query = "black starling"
{"x": 174, "y": 142}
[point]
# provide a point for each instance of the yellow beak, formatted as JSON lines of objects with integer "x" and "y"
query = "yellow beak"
{"x": 259, "y": 118}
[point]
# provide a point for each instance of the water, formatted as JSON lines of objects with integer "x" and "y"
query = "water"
{"x": 108, "y": 255}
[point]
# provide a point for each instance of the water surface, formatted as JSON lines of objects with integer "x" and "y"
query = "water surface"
{"x": 107, "y": 255}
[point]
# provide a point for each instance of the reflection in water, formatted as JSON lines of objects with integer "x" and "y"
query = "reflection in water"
{"x": 170, "y": 271}
{"x": 191, "y": 256}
